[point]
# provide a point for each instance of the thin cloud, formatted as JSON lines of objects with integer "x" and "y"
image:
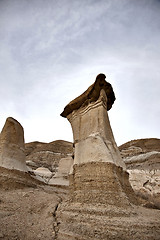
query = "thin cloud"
{"x": 51, "y": 51}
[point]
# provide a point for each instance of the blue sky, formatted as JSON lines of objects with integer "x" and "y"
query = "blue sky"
{"x": 51, "y": 51}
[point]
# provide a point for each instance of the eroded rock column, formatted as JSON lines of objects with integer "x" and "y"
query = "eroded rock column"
{"x": 100, "y": 204}
{"x": 93, "y": 137}
{"x": 98, "y": 174}
{"x": 12, "y": 154}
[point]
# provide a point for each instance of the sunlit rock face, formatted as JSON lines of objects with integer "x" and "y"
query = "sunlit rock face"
{"x": 12, "y": 154}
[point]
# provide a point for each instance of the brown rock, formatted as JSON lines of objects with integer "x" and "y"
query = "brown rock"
{"x": 91, "y": 95}
{"x": 147, "y": 144}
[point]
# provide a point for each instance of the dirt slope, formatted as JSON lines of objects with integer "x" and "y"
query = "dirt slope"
{"x": 27, "y": 207}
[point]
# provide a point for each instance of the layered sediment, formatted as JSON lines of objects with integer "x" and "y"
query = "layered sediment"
{"x": 102, "y": 183}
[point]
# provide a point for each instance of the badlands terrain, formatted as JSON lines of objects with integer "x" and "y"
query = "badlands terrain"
{"x": 88, "y": 190}
{"x": 29, "y": 201}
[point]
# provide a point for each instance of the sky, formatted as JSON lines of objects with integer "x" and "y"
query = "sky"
{"x": 51, "y": 51}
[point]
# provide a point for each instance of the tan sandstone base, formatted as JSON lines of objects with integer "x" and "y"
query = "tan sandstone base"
{"x": 102, "y": 205}
{"x": 101, "y": 182}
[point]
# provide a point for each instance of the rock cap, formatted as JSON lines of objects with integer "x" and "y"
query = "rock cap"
{"x": 92, "y": 95}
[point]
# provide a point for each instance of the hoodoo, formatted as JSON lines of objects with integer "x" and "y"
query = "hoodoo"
{"x": 12, "y": 153}
{"x": 98, "y": 173}
{"x": 99, "y": 183}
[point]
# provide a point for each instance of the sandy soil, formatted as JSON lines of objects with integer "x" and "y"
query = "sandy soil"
{"x": 27, "y": 209}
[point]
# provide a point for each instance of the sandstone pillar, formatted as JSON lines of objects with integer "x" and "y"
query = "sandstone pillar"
{"x": 12, "y": 154}
{"x": 98, "y": 174}
{"x": 93, "y": 137}
{"x": 101, "y": 203}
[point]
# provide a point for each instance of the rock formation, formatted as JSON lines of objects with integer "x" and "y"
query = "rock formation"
{"x": 97, "y": 165}
{"x": 61, "y": 177}
{"x": 48, "y": 155}
{"x": 91, "y": 95}
{"x": 142, "y": 158}
{"x": 93, "y": 137}
{"x": 43, "y": 174}
{"x": 101, "y": 199}
{"x": 146, "y": 145}
{"x": 31, "y": 209}
{"x": 12, "y": 154}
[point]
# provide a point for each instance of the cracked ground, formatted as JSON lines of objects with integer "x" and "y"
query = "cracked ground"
{"x": 28, "y": 212}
